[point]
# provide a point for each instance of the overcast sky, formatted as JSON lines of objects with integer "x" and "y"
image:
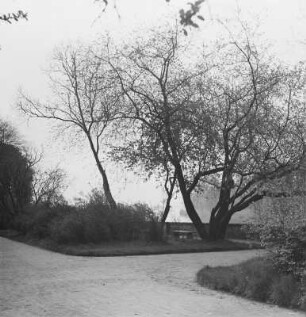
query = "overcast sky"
{"x": 26, "y": 48}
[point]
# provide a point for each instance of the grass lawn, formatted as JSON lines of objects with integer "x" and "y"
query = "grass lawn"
{"x": 132, "y": 248}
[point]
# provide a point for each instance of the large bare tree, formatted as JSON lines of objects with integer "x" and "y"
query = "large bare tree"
{"x": 84, "y": 100}
{"x": 257, "y": 110}
{"x": 161, "y": 95}
{"x": 231, "y": 121}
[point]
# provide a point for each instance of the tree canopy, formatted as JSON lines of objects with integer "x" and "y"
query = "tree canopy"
{"x": 232, "y": 120}
{"x": 85, "y": 101}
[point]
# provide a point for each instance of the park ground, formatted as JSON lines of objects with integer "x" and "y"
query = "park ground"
{"x": 36, "y": 282}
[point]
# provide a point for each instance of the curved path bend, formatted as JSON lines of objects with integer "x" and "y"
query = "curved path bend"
{"x": 35, "y": 282}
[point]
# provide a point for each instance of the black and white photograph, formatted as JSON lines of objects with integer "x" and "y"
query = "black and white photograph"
{"x": 152, "y": 158}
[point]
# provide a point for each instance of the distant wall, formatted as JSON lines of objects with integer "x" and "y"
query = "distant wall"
{"x": 233, "y": 231}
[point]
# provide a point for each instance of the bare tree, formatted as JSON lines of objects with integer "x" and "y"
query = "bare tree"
{"x": 232, "y": 121}
{"x": 47, "y": 187}
{"x": 257, "y": 111}
{"x": 161, "y": 95}
{"x": 169, "y": 186}
{"x": 85, "y": 100}
{"x": 142, "y": 155}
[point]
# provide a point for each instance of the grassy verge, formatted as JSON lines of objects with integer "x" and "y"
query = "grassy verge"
{"x": 256, "y": 279}
{"x": 120, "y": 248}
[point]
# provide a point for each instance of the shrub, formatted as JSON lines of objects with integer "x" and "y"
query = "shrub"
{"x": 255, "y": 279}
{"x": 68, "y": 229}
{"x": 257, "y": 276}
{"x": 91, "y": 222}
{"x": 282, "y": 231}
{"x": 280, "y": 223}
{"x": 95, "y": 229}
{"x": 289, "y": 252}
{"x": 155, "y": 231}
{"x": 216, "y": 279}
{"x": 35, "y": 221}
{"x": 303, "y": 303}
{"x": 249, "y": 279}
{"x": 285, "y": 291}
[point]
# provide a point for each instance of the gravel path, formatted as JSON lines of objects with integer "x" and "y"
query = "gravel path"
{"x": 35, "y": 282}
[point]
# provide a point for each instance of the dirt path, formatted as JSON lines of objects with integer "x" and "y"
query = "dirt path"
{"x": 35, "y": 282}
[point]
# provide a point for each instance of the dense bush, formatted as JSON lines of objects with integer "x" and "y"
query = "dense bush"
{"x": 15, "y": 182}
{"x": 285, "y": 291}
{"x": 37, "y": 220}
{"x": 255, "y": 279}
{"x": 280, "y": 223}
{"x": 280, "y": 226}
{"x": 89, "y": 222}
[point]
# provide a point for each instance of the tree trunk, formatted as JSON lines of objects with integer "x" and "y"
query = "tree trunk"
{"x": 221, "y": 215}
{"x": 218, "y": 225}
{"x": 106, "y": 188}
{"x": 169, "y": 193}
{"x": 192, "y": 213}
{"x": 166, "y": 210}
{"x": 107, "y": 192}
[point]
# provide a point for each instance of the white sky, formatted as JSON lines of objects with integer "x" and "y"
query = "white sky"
{"x": 26, "y": 47}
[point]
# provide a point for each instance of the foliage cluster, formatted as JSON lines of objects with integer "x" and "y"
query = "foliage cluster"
{"x": 255, "y": 279}
{"x": 280, "y": 224}
{"x": 287, "y": 245}
{"x": 13, "y": 17}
